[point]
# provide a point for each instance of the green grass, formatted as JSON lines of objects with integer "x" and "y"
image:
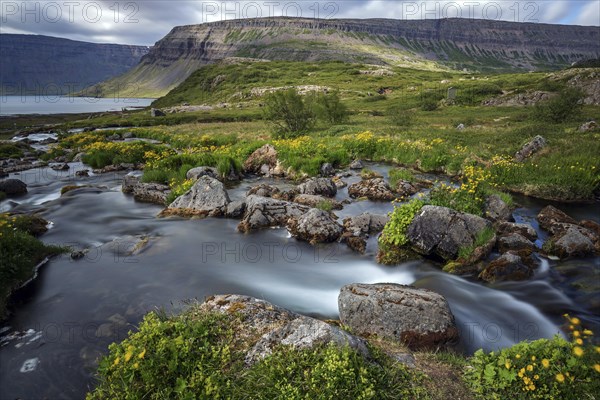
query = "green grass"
{"x": 21, "y": 252}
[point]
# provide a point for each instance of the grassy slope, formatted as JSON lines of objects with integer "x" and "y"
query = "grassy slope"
{"x": 565, "y": 170}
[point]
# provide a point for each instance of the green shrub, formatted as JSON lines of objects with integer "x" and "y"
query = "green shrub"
{"x": 329, "y": 108}
{"x": 290, "y": 113}
{"x": 330, "y": 373}
{"x": 542, "y": 369}
{"x": 394, "y": 232}
{"x": 566, "y": 106}
{"x": 196, "y": 355}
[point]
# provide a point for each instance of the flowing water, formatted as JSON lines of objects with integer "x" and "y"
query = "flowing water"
{"x": 65, "y": 319}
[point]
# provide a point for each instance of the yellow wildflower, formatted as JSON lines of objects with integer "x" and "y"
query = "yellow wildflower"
{"x": 575, "y": 321}
{"x": 128, "y": 356}
{"x": 579, "y": 341}
{"x": 116, "y": 362}
{"x": 578, "y": 351}
{"x": 560, "y": 378}
{"x": 597, "y": 368}
{"x": 142, "y": 354}
{"x": 545, "y": 363}
{"x": 587, "y": 332}
{"x": 530, "y": 367}
{"x": 576, "y": 333}
{"x": 507, "y": 364}
{"x": 532, "y": 358}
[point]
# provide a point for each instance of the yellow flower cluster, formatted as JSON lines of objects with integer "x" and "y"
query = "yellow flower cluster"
{"x": 128, "y": 355}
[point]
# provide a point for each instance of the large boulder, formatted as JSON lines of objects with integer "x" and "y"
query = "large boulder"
{"x": 318, "y": 186}
{"x": 535, "y": 145}
{"x": 508, "y": 266}
{"x": 207, "y": 197}
{"x": 405, "y": 188}
{"x": 262, "y": 212}
{"x": 263, "y": 161}
{"x": 315, "y": 226}
{"x": 235, "y": 209}
{"x": 374, "y": 189}
{"x": 13, "y": 187}
{"x": 265, "y": 326}
{"x": 155, "y": 193}
{"x": 197, "y": 172}
{"x": 419, "y": 318}
{"x": 442, "y": 232}
{"x": 496, "y": 210}
{"x": 155, "y": 112}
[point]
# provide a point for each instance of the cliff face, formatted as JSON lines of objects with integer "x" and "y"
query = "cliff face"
{"x": 480, "y": 45}
{"x": 48, "y": 65}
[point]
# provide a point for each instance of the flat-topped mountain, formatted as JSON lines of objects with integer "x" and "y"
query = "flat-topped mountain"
{"x": 475, "y": 45}
{"x": 34, "y": 64}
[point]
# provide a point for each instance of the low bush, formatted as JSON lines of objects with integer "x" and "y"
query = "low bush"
{"x": 566, "y": 106}
{"x": 542, "y": 369}
{"x": 196, "y": 356}
{"x": 290, "y": 113}
{"x": 394, "y": 232}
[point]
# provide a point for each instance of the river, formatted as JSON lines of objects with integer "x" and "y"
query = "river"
{"x": 46, "y": 104}
{"x": 69, "y": 315}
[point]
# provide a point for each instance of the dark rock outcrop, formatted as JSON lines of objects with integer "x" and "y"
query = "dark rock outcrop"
{"x": 419, "y": 318}
{"x": 442, "y": 232}
{"x": 525, "y": 230}
{"x": 264, "y": 161}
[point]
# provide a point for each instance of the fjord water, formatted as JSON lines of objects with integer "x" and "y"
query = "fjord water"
{"x": 75, "y": 309}
{"x": 50, "y": 104}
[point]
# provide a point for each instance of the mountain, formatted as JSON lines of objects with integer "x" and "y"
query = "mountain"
{"x": 475, "y": 45}
{"x": 34, "y": 64}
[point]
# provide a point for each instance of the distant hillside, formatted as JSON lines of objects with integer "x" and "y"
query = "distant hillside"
{"x": 47, "y": 65}
{"x": 476, "y": 45}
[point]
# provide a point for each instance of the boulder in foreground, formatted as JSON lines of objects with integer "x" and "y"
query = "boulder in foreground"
{"x": 419, "y": 318}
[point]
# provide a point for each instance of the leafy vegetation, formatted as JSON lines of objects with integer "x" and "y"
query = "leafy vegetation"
{"x": 290, "y": 113}
{"x": 394, "y": 232}
{"x": 542, "y": 369}
{"x": 21, "y": 252}
{"x": 566, "y": 106}
{"x": 196, "y": 355}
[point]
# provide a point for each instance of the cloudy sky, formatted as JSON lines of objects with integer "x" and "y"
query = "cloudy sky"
{"x": 144, "y": 22}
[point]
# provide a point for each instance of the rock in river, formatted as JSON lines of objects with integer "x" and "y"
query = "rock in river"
{"x": 442, "y": 232}
{"x": 315, "y": 226}
{"x": 419, "y": 318}
{"x": 318, "y": 186}
{"x": 374, "y": 189}
{"x": 13, "y": 187}
{"x": 207, "y": 197}
{"x": 262, "y": 212}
